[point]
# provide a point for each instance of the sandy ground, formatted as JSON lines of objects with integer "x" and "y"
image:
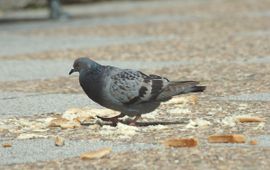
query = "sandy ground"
{"x": 222, "y": 44}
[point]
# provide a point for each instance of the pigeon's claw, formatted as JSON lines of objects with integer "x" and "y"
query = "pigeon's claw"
{"x": 133, "y": 122}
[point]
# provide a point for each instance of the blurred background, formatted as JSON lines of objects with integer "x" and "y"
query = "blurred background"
{"x": 54, "y": 6}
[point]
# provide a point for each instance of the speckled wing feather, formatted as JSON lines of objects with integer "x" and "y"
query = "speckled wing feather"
{"x": 133, "y": 87}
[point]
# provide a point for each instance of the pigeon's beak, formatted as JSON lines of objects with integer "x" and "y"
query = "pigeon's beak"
{"x": 71, "y": 71}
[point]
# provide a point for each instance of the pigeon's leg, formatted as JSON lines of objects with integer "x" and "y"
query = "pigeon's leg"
{"x": 114, "y": 119}
{"x": 133, "y": 122}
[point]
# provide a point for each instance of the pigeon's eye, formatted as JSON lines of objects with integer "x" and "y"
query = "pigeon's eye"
{"x": 76, "y": 66}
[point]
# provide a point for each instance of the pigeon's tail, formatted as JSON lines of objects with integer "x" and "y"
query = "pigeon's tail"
{"x": 179, "y": 87}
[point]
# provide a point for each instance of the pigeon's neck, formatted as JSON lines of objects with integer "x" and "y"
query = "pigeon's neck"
{"x": 95, "y": 68}
{"x": 91, "y": 74}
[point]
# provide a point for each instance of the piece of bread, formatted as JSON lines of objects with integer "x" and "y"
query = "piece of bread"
{"x": 181, "y": 142}
{"x": 232, "y": 138}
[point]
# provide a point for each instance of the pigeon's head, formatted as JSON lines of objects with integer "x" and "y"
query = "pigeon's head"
{"x": 83, "y": 64}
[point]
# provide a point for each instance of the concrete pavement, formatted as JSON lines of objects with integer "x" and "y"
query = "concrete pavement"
{"x": 223, "y": 44}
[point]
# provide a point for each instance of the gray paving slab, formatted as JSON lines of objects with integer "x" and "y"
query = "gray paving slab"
{"x": 101, "y": 8}
{"x": 254, "y": 60}
{"x": 22, "y": 104}
{"x": 23, "y": 151}
{"x": 247, "y": 97}
{"x": 14, "y": 70}
{"x": 112, "y": 20}
{"x": 33, "y": 69}
{"x": 22, "y": 44}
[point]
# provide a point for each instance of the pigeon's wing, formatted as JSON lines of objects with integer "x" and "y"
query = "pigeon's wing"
{"x": 132, "y": 87}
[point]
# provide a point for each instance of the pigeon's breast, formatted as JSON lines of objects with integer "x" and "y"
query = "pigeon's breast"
{"x": 92, "y": 86}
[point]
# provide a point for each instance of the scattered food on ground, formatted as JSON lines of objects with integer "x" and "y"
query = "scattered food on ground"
{"x": 233, "y": 138}
{"x": 181, "y": 142}
{"x": 96, "y": 154}
{"x": 59, "y": 141}
{"x": 6, "y": 145}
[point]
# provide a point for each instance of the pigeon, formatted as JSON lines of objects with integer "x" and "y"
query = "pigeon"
{"x": 128, "y": 91}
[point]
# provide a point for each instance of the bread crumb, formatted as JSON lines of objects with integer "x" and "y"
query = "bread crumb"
{"x": 59, "y": 141}
{"x": 181, "y": 142}
{"x": 253, "y": 142}
{"x": 96, "y": 154}
{"x": 250, "y": 119}
{"x": 234, "y": 138}
{"x": 6, "y": 145}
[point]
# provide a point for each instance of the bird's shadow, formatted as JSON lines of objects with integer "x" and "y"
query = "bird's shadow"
{"x": 141, "y": 124}
{"x": 155, "y": 123}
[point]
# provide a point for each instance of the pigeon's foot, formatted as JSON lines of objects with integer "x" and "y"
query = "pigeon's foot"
{"x": 114, "y": 119}
{"x": 133, "y": 122}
